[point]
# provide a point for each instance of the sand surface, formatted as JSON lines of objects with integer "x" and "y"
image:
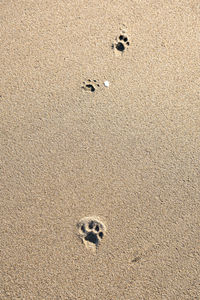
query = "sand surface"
{"x": 127, "y": 154}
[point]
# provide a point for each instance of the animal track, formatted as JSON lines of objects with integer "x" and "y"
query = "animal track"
{"x": 121, "y": 43}
{"x": 90, "y": 85}
{"x": 91, "y": 231}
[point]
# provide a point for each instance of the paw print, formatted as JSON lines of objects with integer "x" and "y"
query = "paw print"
{"x": 91, "y": 231}
{"x": 121, "y": 42}
{"x": 90, "y": 85}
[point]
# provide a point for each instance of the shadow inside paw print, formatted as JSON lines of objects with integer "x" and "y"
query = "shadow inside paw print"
{"x": 90, "y": 85}
{"x": 91, "y": 231}
{"x": 122, "y": 43}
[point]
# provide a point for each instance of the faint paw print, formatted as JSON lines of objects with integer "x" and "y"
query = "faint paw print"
{"x": 90, "y": 85}
{"x": 91, "y": 231}
{"x": 121, "y": 42}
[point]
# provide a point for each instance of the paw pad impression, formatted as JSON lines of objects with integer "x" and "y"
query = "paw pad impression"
{"x": 90, "y": 85}
{"x": 91, "y": 231}
{"x": 121, "y": 42}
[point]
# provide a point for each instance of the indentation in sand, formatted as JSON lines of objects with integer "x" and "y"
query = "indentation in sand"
{"x": 121, "y": 43}
{"x": 90, "y": 85}
{"x": 91, "y": 231}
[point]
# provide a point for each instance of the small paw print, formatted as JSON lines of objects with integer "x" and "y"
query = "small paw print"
{"x": 91, "y": 231}
{"x": 121, "y": 43}
{"x": 90, "y": 85}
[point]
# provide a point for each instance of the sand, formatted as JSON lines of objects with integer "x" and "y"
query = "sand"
{"x": 126, "y": 155}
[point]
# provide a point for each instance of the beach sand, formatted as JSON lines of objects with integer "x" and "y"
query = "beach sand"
{"x": 125, "y": 156}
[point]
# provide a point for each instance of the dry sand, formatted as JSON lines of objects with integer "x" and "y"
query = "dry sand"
{"x": 128, "y": 154}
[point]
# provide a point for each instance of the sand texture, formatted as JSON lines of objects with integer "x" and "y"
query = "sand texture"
{"x": 99, "y": 149}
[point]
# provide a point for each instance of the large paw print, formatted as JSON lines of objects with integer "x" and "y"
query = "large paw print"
{"x": 90, "y": 85}
{"x": 121, "y": 42}
{"x": 91, "y": 231}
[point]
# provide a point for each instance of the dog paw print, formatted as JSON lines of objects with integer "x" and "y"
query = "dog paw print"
{"x": 91, "y": 231}
{"x": 121, "y": 42}
{"x": 90, "y": 85}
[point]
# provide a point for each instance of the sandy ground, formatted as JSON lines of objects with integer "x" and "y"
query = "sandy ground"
{"x": 127, "y": 155}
